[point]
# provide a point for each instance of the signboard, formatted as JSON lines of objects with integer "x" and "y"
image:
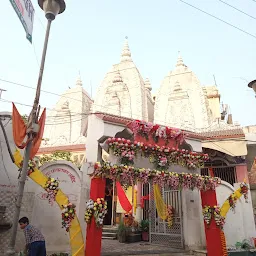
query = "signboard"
{"x": 25, "y": 12}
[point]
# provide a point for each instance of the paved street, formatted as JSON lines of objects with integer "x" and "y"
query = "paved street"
{"x": 113, "y": 247}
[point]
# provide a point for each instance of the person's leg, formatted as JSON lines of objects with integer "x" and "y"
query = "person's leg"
{"x": 41, "y": 248}
{"x": 33, "y": 249}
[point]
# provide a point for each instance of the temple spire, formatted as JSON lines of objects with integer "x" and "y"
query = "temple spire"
{"x": 126, "y": 54}
{"x": 79, "y": 81}
{"x": 179, "y": 61}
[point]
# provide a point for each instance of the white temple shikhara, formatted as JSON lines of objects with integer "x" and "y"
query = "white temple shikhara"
{"x": 180, "y": 102}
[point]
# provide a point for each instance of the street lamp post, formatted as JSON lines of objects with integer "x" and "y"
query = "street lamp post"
{"x": 51, "y": 8}
{"x": 252, "y": 85}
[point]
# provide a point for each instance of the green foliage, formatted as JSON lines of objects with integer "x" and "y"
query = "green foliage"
{"x": 121, "y": 229}
{"x": 144, "y": 225}
{"x": 55, "y": 156}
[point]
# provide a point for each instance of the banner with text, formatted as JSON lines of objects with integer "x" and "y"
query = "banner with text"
{"x": 25, "y": 12}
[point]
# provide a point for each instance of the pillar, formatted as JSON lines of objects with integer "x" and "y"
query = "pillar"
{"x": 93, "y": 233}
{"x": 212, "y": 232}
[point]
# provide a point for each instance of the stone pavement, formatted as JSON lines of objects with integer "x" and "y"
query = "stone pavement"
{"x": 114, "y": 248}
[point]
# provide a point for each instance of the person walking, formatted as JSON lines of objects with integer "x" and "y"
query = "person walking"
{"x": 35, "y": 242}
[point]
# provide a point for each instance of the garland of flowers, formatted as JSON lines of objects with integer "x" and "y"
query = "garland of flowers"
{"x": 219, "y": 220}
{"x": 98, "y": 209}
{"x": 170, "y": 215}
{"x": 130, "y": 175}
{"x": 52, "y": 188}
{"x": 156, "y": 131}
{"x": 162, "y": 157}
{"x": 232, "y": 200}
{"x": 210, "y": 213}
{"x": 31, "y": 166}
{"x": 68, "y": 214}
{"x": 244, "y": 190}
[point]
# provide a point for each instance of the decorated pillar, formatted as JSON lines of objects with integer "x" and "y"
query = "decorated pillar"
{"x": 93, "y": 233}
{"x": 212, "y": 231}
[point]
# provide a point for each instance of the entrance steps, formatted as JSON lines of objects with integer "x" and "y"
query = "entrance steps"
{"x": 109, "y": 232}
{"x": 200, "y": 253}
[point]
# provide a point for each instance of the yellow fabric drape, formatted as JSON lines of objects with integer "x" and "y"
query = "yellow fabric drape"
{"x": 75, "y": 232}
{"x": 160, "y": 204}
{"x": 135, "y": 201}
{"x": 225, "y": 207}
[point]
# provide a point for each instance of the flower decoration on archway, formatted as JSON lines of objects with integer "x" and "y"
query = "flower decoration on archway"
{"x": 232, "y": 200}
{"x": 68, "y": 214}
{"x": 163, "y": 157}
{"x": 219, "y": 220}
{"x": 207, "y": 214}
{"x": 156, "y": 132}
{"x": 31, "y": 166}
{"x": 130, "y": 175}
{"x": 52, "y": 188}
{"x": 98, "y": 209}
{"x": 244, "y": 190}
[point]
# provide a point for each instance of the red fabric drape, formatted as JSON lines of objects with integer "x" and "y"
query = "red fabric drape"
{"x": 124, "y": 201}
{"x": 143, "y": 198}
{"x": 19, "y": 128}
{"x": 94, "y": 234}
{"x": 211, "y": 172}
{"x": 212, "y": 233}
{"x": 37, "y": 140}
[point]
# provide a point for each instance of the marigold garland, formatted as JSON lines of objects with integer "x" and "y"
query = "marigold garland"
{"x": 162, "y": 157}
{"x": 68, "y": 214}
{"x": 130, "y": 175}
{"x": 98, "y": 209}
{"x": 52, "y": 188}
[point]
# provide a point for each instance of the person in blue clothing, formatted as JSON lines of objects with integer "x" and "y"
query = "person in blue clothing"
{"x": 35, "y": 242}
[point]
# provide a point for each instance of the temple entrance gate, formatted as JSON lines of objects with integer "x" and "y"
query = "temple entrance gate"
{"x": 160, "y": 233}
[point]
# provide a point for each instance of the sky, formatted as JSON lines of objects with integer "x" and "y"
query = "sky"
{"x": 88, "y": 38}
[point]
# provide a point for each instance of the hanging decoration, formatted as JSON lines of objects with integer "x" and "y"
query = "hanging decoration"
{"x": 156, "y": 132}
{"x": 244, "y": 190}
{"x": 52, "y": 188}
{"x": 68, "y": 214}
{"x": 163, "y": 157}
{"x": 207, "y": 214}
{"x": 98, "y": 209}
{"x": 219, "y": 220}
{"x": 165, "y": 212}
{"x": 124, "y": 201}
{"x": 142, "y": 199}
{"x": 130, "y": 175}
{"x": 214, "y": 212}
{"x": 232, "y": 199}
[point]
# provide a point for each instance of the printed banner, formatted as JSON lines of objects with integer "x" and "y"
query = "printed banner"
{"x": 25, "y": 12}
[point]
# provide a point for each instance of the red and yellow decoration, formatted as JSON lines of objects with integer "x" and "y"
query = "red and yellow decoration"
{"x": 162, "y": 156}
{"x": 75, "y": 232}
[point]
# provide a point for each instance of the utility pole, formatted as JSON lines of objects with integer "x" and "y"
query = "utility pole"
{"x": 51, "y": 9}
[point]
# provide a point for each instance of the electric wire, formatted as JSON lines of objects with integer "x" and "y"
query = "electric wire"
{"x": 219, "y": 19}
{"x": 237, "y": 9}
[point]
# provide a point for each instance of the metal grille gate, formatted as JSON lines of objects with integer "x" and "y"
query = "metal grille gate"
{"x": 160, "y": 233}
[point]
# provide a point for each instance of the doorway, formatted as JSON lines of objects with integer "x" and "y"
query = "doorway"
{"x": 109, "y": 200}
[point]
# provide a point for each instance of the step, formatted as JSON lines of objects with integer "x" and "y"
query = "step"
{"x": 200, "y": 253}
{"x": 108, "y": 234}
{"x": 110, "y": 230}
{"x": 108, "y": 237}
